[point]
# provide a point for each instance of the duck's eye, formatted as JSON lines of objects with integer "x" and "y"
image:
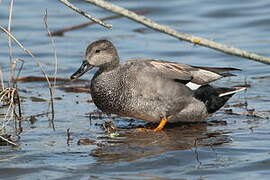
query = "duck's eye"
{"x": 97, "y": 51}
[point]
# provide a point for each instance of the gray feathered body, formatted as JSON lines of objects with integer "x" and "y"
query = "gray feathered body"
{"x": 135, "y": 89}
{"x": 152, "y": 89}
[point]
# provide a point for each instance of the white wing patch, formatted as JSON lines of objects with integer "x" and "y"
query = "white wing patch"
{"x": 193, "y": 86}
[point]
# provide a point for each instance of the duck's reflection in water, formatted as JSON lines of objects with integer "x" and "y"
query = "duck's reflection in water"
{"x": 131, "y": 144}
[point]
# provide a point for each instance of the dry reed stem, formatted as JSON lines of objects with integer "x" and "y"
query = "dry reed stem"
{"x": 96, "y": 20}
{"x": 14, "y": 63}
{"x": 56, "y": 63}
{"x": 2, "y": 79}
{"x": 179, "y": 35}
{"x": 9, "y": 112}
{"x": 8, "y": 141}
{"x": 11, "y": 72}
{"x": 9, "y": 94}
{"x": 33, "y": 57}
{"x": 19, "y": 105}
{"x": 3, "y": 94}
{"x": 54, "y": 47}
{"x": 8, "y": 97}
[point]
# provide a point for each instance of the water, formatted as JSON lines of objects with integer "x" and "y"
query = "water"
{"x": 234, "y": 145}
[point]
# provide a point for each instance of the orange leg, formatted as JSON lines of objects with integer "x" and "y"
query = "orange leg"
{"x": 161, "y": 125}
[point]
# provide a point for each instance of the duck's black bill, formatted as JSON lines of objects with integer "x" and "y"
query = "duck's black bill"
{"x": 83, "y": 69}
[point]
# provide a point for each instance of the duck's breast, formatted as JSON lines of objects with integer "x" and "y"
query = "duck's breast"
{"x": 107, "y": 91}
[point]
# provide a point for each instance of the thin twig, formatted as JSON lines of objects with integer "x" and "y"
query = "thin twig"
{"x": 20, "y": 69}
{"x": 33, "y": 57}
{"x": 8, "y": 141}
{"x": 56, "y": 62}
{"x": 196, "y": 152}
{"x": 180, "y": 35}
{"x": 20, "y": 114}
{"x": 19, "y": 104}
{"x": 68, "y": 137}
{"x": 18, "y": 117}
{"x": 2, "y": 80}
{"x": 96, "y": 20}
{"x": 54, "y": 47}
{"x": 61, "y": 32}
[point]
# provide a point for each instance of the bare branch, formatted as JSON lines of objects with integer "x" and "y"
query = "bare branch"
{"x": 61, "y": 32}
{"x": 96, "y": 20}
{"x": 180, "y": 35}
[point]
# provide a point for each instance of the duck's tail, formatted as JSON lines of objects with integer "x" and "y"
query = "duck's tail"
{"x": 215, "y": 97}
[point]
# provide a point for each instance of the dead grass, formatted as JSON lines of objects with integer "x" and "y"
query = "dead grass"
{"x": 9, "y": 96}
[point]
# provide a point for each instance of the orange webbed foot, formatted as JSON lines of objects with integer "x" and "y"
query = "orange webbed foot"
{"x": 157, "y": 129}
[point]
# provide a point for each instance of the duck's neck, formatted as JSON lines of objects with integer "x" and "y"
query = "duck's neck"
{"x": 110, "y": 66}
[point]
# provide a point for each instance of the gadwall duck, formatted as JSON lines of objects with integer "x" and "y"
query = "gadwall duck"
{"x": 152, "y": 90}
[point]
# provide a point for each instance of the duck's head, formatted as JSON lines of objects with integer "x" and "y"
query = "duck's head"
{"x": 100, "y": 54}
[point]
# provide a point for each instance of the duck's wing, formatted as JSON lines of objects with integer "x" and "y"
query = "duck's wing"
{"x": 205, "y": 75}
{"x": 186, "y": 73}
